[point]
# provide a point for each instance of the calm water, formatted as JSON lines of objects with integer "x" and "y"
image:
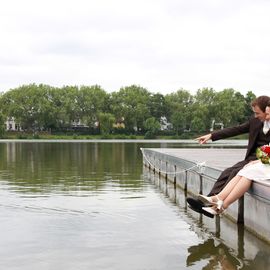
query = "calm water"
{"x": 91, "y": 206}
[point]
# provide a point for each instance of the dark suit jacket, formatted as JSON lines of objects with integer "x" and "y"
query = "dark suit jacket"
{"x": 253, "y": 127}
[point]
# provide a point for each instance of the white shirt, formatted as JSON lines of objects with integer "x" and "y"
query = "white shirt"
{"x": 266, "y": 126}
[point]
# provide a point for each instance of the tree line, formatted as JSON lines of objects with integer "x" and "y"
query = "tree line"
{"x": 131, "y": 110}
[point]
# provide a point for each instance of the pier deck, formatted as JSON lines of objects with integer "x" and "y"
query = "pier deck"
{"x": 216, "y": 158}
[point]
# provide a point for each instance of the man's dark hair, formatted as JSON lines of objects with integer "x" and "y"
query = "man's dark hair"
{"x": 262, "y": 102}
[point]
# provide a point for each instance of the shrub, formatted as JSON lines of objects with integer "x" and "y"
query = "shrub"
{"x": 149, "y": 135}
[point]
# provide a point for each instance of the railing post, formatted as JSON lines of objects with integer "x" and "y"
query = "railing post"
{"x": 240, "y": 218}
{"x": 174, "y": 179}
{"x": 201, "y": 184}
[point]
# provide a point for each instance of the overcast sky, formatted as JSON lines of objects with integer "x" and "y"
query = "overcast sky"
{"x": 162, "y": 45}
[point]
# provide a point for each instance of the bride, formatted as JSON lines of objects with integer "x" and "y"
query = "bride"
{"x": 235, "y": 189}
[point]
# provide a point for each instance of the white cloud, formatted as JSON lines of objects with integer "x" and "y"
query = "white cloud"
{"x": 162, "y": 45}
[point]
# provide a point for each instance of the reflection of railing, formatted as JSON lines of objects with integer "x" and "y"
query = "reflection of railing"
{"x": 216, "y": 253}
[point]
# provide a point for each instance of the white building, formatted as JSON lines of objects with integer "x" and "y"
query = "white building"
{"x": 164, "y": 124}
{"x": 11, "y": 124}
{"x": 78, "y": 123}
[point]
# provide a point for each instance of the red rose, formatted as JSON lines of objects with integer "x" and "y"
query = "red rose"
{"x": 266, "y": 149}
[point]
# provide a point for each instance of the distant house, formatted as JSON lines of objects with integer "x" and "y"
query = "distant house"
{"x": 164, "y": 124}
{"x": 11, "y": 125}
{"x": 77, "y": 123}
{"x": 214, "y": 125}
{"x": 120, "y": 123}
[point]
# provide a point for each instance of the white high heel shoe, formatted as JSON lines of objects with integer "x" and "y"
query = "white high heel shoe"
{"x": 211, "y": 210}
{"x": 219, "y": 204}
{"x": 214, "y": 211}
{"x": 206, "y": 200}
{"x": 209, "y": 200}
{"x": 217, "y": 209}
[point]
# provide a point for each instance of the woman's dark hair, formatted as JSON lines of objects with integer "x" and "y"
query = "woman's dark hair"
{"x": 262, "y": 102}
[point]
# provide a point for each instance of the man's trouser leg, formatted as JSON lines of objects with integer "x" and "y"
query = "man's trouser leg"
{"x": 226, "y": 176}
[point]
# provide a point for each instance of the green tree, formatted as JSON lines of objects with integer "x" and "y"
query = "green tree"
{"x": 131, "y": 103}
{"x": 179, "y": 106}
{"x": 198, "y": 125}
{"x": 49, "y": 116}
{"x": 69, "y": 109}
{"x": 203, "y": 109}
{"x": 157, "y": 106}
{"x": 2, "y": 125}
{"x": 92, "y": 100}
{"x": 24, "y": 104}
{"x": 152, "y": 126}
{"x": 106, "y": 121}
{"x": 248, "y": 99}
{"x": 230, "y": 107}
{"x": 178, "y": 120}
{"x": 41, "y": 106}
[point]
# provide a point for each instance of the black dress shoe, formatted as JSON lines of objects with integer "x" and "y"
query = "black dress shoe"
{"x": 197, "y": 205}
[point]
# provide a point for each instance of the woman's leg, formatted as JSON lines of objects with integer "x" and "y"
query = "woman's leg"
{"x": 238, "y": 191}
{"x": 227, "y": 189}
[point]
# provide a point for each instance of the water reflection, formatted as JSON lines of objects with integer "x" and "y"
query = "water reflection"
{"x": 88, "y": 206}
{"x": 73, "y": 167}
{"x": 217, "y": 255}
{"x": 261, "y": 261}
{"x": 85, "y": 206}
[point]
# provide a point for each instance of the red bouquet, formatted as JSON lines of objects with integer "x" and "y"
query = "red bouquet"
{"x": 263, "y": 153}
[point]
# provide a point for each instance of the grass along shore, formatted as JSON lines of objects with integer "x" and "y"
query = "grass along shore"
{"x": 75, "y": 136}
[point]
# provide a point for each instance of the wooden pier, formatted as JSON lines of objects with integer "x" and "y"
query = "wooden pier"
{"x": 196, "y": 170}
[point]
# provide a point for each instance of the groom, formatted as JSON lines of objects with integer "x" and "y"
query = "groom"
{"x": 258, "y": 135}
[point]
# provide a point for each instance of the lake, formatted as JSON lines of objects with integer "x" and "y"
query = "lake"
{"x": 90, "y": 205}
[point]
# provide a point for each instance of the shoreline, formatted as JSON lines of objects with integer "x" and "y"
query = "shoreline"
{"x": 235, "y": 142}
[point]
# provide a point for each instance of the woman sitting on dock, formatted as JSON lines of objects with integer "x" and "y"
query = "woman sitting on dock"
{"x": 235, "y": 189}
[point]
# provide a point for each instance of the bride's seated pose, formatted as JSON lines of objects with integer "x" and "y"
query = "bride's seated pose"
{"x": 235, "y": 189}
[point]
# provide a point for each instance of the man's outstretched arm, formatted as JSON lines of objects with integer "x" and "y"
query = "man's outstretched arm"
{"x": 203, "y": 139}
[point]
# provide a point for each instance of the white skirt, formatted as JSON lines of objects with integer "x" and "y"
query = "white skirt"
{"x": 256, "y": 171}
